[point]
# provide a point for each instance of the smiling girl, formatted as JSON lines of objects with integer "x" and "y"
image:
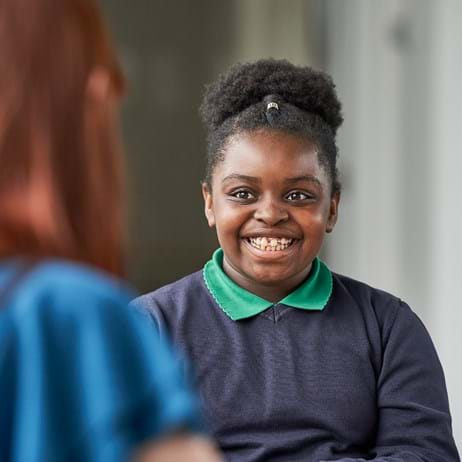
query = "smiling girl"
{"x": 293, "y": 361}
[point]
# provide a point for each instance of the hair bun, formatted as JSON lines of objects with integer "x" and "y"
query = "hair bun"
{"x": 247, "y": 84}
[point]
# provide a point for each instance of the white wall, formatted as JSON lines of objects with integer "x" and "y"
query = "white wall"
{"x": 445, "y": 94}
{"x": 268, "y": 28}
{"x": 398, "y": 67}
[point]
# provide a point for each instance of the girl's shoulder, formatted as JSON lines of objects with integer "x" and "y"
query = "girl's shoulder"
{"x": 185, "y": 288}
{"x": 370, "y": 301}
{"x": 357, "y": 288}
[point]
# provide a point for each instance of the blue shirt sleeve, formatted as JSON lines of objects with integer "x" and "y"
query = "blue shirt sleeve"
{"x": 91, "y": 381}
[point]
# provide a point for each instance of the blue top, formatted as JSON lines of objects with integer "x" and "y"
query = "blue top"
{"x": 81, "y": 376}
{"x": 357, "y": 380}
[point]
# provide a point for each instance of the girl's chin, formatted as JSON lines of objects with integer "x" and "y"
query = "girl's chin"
{"x": 271, "y": 286}
{"x": 272, "y": 275}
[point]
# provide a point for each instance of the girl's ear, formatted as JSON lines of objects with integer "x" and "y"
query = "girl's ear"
{"x": 208, "y": 205}
{"x": 333, "y": 212}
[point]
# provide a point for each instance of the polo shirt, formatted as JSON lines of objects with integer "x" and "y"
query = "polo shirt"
{"x": 239, "y": 304}
{"x": 337, "y": 370}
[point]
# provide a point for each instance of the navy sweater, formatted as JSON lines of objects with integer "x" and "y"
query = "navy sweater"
{"x": 357, "y": 381}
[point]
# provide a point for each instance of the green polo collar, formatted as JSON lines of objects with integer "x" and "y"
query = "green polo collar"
{"x": 239, "y": 303}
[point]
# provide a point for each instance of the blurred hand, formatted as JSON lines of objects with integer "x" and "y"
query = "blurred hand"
{"x": 179, "y": 448}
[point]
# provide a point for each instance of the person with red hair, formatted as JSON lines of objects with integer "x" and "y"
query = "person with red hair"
{"x": 82, "y": 377}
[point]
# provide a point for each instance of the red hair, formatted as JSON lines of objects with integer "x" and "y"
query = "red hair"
{"x": 60, "y": 165}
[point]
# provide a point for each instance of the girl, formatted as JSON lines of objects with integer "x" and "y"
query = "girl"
{"x": 295, "y": 362}
{"x": 81, "y": 377}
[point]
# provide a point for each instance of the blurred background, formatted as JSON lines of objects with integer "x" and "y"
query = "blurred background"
{"x": 398, "y": 69}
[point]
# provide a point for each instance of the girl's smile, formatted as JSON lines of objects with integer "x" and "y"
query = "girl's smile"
{"x": 270, "y": 244}
{"x": 271, "y": 204}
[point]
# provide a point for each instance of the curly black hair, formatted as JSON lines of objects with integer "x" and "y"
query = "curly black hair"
{"x": 306, "y": 105}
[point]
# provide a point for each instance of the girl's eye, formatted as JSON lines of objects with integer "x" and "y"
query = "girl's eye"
{"x": 298, "y": 196}
{"x": 243, "y": 195}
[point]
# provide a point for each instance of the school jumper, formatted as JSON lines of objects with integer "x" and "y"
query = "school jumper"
{"x": 337, "y": 370}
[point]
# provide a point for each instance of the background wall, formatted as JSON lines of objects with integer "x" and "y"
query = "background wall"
{"x": 398, "y": 68}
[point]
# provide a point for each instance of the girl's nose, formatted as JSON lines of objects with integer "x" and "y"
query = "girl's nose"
{"x": 271, "y": 213}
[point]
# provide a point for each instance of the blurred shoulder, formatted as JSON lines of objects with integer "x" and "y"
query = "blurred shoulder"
{"x": 57, "y": 286}
{"x": 63, "y": 275}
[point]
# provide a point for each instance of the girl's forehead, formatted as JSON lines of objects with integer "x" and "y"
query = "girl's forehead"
{"x": 271, "y": 137}
{"x": 272, "y": 152}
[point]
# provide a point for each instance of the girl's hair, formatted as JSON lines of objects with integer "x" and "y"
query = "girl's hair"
{"x": 306, "y": 104}
{"x": 60, "y": 166}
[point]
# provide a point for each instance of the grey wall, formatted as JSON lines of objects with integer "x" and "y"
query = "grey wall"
{"x": 398, "y": 67}
{"x": 169, "y": 50}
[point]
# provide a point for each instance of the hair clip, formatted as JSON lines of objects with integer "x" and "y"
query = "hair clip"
{"x": 272, "y": 105}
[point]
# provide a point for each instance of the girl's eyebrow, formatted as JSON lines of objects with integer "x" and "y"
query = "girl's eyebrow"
{"x": 237, "y": 176}
{"x": 254, "y": 179}
{"x": 309, "y": 178}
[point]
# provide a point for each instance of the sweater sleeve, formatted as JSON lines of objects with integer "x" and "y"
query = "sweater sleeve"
{"x": 414, "y": 421}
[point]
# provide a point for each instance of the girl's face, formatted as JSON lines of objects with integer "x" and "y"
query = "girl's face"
{"x": 271, "y": 204}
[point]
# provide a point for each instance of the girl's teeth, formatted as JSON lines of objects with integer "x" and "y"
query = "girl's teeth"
{"x": 270, "y": 244}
